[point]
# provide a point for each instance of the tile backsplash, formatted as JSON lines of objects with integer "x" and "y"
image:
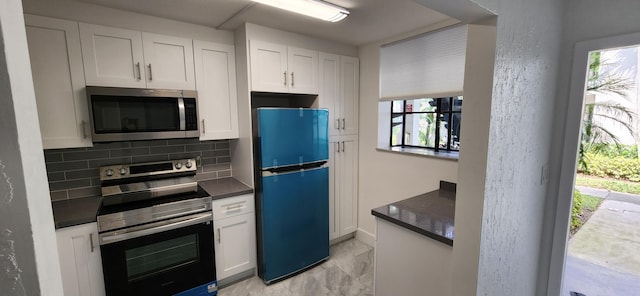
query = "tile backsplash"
{"x": 73, "y": 173}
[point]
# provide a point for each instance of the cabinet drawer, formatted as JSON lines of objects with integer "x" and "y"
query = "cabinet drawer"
{"x": 232, "y": 206}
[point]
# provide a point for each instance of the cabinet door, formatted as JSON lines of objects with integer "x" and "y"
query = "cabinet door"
{"x": 217, "y": 95}
{"x": 268, "y": 67}
{"x": 112, "y": 56}
{"x": 80, "y": 261}
{"x": 348, "y": 188}
{"x": 329, "y": 89}
{"x": 168, "y": 62}
{"x": 302, "y": 68}
{"x": 58, "y": 80}
{"x": 349, "y": 92}
{"x": 234, "y": 245}
{"x": 334, "y": 211}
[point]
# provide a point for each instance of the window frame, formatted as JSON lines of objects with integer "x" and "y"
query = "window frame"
{"x": 438, "y": 114}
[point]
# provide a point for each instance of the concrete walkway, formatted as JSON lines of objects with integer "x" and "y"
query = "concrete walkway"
{"x": 603, "y": 257}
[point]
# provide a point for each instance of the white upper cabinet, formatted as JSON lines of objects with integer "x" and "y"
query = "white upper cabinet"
{"x": 126, "y": 58}
{"x": 168, "y": 61}
{"x": 58, "y": 78}
{"x": 339, "y": 88}
{"x": 216, "y": 85}
{"x": 112, "y": 56}
{"x": 281, "y": 69}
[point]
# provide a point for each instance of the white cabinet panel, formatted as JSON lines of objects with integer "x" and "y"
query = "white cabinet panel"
{"x": 126, "y": 58}
{"x": 235, "y": 245}
{"x": 234, "y": 234}
{"x": 216, "y": 86}
{"x": 343, "y": 186}
{"x": 339, "y": 91}
{"x": 168, "y": 61}
{"x": 112, "y": 56}
{"x": 58, "y": 78}
{"x": 281, "y": 69}
{"x": 303, "y": 70}
{"x": 268, "y": 67}
{"x": 80, "y": 261}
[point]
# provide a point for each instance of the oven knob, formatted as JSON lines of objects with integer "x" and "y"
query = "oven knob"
{"x": 109, "y": 172}
{"x": 187, "y": 164}
{"x": 178, "y": 166}
{"x": 123, "y": 171}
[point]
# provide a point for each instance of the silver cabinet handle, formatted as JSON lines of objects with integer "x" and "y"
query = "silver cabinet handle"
{"x": 338, "y": 123}
{"x": 342, "y": 146}
{"x": 203, "y": 130}
{"x": 219, "y": 239}
{"x": 139, "y": 74}
{"x": 150, "y": 73}
{"x": 285, "y": 77}
{"x": 338, "y": 147}
{"x": 84, "y": 129}
{"x": 234, "y": 208}
{"x": 343, "y": 123}
{"x": 292, "y": 81}
{"x": 91, "y": 241}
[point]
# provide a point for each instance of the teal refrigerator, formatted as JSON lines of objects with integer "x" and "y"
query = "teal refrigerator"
{"x": 291, "y": 149}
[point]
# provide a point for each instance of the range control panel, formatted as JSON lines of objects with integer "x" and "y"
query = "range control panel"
{"x": 124, "y": 171}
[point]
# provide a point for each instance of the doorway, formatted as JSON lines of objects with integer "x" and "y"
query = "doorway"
{"x": 571, "y": 140}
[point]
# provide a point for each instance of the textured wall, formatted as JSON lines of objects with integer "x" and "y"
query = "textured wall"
{"x": 28, "y": 252}
{"x": 73, "y": 173}
{"x": 521, "y": 123}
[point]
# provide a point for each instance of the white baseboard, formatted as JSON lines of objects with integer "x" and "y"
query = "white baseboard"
{"x": 366, "y": 237}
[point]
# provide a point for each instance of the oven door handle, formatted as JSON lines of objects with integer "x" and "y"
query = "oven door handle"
{"x": 152, "y": 228}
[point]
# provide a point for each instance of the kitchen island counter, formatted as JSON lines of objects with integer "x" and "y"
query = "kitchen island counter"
{"x": 430, "y": 214}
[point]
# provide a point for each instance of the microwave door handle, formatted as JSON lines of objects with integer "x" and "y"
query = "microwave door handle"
{"x": 183, "y": 125}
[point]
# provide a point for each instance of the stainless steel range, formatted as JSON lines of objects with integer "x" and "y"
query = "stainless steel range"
{"x": 155, "y": 229}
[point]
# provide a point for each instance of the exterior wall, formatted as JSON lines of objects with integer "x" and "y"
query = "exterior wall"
{"x": 584, "y": 20}
{"x": 28, "y": 249}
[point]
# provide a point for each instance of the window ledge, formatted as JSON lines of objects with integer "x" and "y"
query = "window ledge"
{"x": 421, "y": 152}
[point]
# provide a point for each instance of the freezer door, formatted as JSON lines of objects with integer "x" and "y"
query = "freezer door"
{"x": 295, "y": 222}
{"x": 292, "y": 136}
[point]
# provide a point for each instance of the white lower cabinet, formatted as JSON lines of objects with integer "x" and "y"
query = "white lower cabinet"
{"x": 343, "y": 188}
{"x": 234, "y": 234}
{"x": 80, "y": 262}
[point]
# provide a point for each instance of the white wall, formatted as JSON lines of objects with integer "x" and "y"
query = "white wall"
{"x": 28, "y": 249}
{"x": 100, "y": 15}
{"x": 584, "y": 20}
{"x": 386, "y": 177}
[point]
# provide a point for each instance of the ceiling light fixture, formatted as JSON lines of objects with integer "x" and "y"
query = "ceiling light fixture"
{"x": 313, "y": 8}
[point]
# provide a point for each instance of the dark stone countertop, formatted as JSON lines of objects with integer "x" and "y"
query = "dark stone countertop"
{"x": 78, "y": 211}
{"x": 70, "y": 212}
{"x": 430, "y": 214}
{"x": 225, "y": 187}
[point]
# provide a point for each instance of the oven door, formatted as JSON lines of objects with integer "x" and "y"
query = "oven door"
{"x": 163, "y": 258}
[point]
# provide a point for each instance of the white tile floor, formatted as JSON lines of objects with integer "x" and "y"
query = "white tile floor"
{"x": 348, "y": 272}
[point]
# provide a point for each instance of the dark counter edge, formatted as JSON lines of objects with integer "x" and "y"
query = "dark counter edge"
{"x": 443, "y": 186}
{"x": 92, "y": 204}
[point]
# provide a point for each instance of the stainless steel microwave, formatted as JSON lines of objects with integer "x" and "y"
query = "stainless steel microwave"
{"x": 126, "y": 114}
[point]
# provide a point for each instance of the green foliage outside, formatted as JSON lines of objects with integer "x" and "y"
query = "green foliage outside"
{"x": 609, "y": 184}
{"x": 617, "y": 167}
{"x": 581, "y": 204}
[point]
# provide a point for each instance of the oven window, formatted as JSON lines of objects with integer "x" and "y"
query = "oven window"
{"x": 159, "y": 257}
{"x": 134, "y": 114}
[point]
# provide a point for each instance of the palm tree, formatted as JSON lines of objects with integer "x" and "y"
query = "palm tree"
{"x": 593, "y": 129}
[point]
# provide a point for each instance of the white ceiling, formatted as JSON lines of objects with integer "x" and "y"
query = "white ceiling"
{"x": 369, "y": 21}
